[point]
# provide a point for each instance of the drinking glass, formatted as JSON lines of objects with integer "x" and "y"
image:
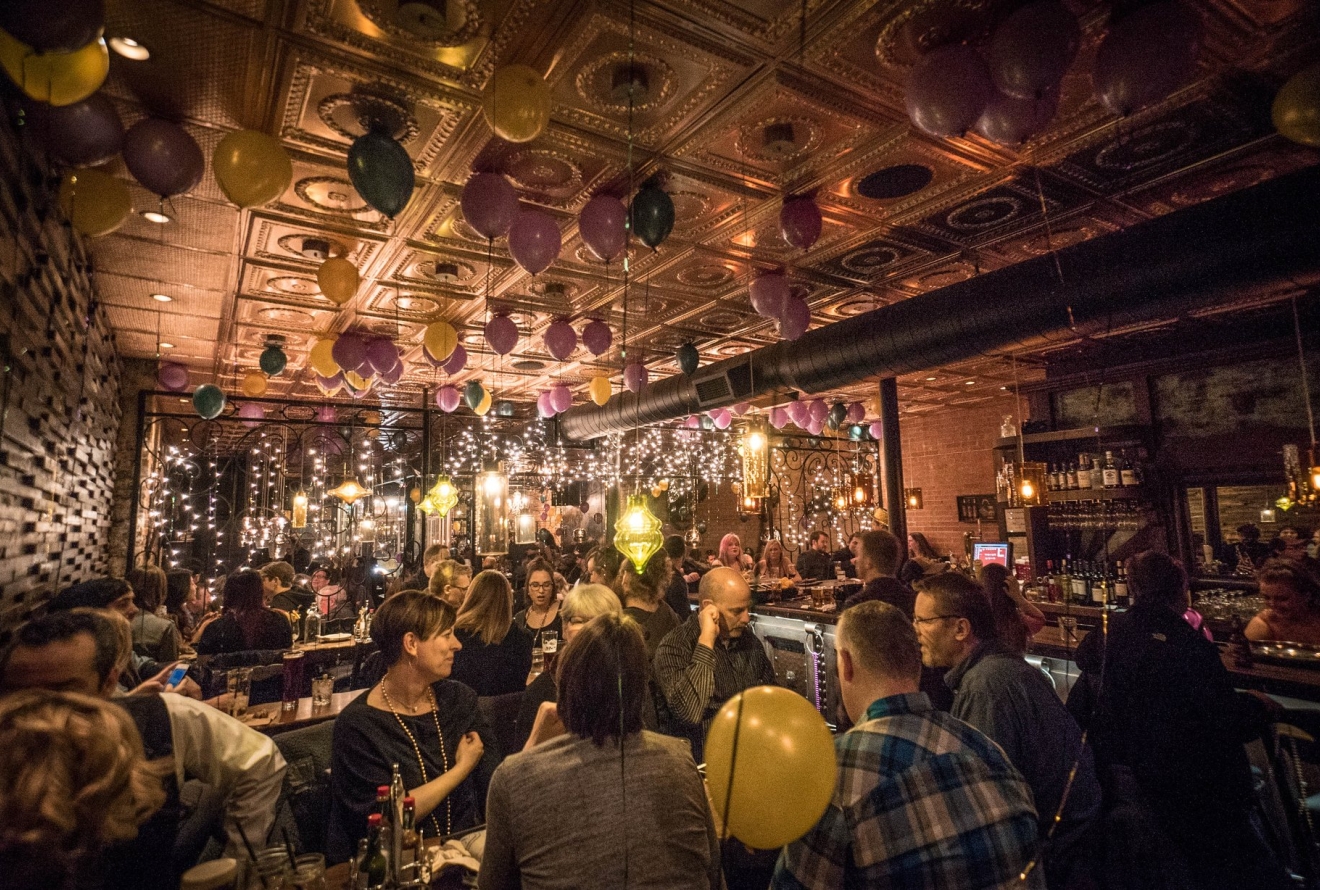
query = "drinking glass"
{"x": 270, "y": 870}
{"x": 818, "y": 595}
{"x": 550, "y": 648}
{"x": 1067, "y": 629}
{"x": 293, "y": 677}
{"x": 322, "y": 688}
{"x": 538, "y": 659}
{"x": 238, "y": 683}
{"x": 309, "y": 874}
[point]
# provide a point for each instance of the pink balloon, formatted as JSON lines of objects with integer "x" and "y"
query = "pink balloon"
{"x": 330, "y": 383}
{"x": 394, "y": 374}
{"x": 596, "y": 337}
{"x": 855, "y": 413}
{"x": 876, "y": 429}
{"x": 797, "y": 411}
{"x": 796, "y": 318}
{"x": 769, "y": 291}
{"x": 693, "y": 422}
{"x": 634, "y": 377}
{"x": 722, "y": 418}
{"x": 326, "y": 414}
{"x": 163, "y": 157}
{"x": 1032, "y": 49}
{"x": 814, "y": 426}
{"x": 741, "y": 408}
{"x": 560, "y": 339}
{"x": 173, "y": 376}
{"x": 799, "y": 222}
{"x": 1010, "y": 121}
{"x": 561, "y": 397}
{"x": 818, "y": 410}
{"x": 534, "y": 240}
{"x": 602, "y": 225}
{"x": 544, "y": 407}
{"x": 447, "y": 399}
{"x": 778, "y": 418}
{"x": 456, "y": 361}
{"x": 489, "y": 204}
{"x": 381, "y": 354}
{"x": 252, "y": 414}
{"x": 947, "y": 90}
{"x": 1146, "y": 56}
{"x": 502, "y": 334}
{"x": 349, "y": 351}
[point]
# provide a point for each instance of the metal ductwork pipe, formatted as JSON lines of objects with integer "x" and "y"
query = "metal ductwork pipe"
{"x": 1255, "y": 238}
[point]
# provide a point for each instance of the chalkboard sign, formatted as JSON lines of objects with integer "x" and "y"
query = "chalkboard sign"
{"x": 972, "y": 507}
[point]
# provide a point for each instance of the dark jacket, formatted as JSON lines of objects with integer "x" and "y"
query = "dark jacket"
{"x": 813, "y": 565}
{"x": 844, "y": 557}
{"x": 494, "y": 669}
{"x": 296, "y": 598}
{"x": 225, "y": 634}
{"x": 886, "y": 589}
{"x": 676, "y": 595}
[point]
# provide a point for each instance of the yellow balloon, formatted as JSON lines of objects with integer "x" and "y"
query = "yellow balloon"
{"x": 600, "y": 390}
{"x": 356, "y": 380}
{"x": 254, "y": 384}
{"x": 56, "y": 78}
{"x": 785, "y": 771}
{"x": 1296, "y": 109}
{"x": 338, "y": 279}
{"x": 440, "y": 339}
{"x": 517, "y": 103}
{"x": 251, "y": 168}
{"x": 322, "y": 359}
{"x": 484, "y": 405}
{"x": 95, "y": 202}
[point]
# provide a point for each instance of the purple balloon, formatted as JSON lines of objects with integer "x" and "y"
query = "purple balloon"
{"x": 768, "y": 292}
{"x": 796, "y": 318}
{"x": 722, "y": 418}
{"x": 544, "y": 406}
{"x": 534, "y": 240}
{"x": 172, "y": 376}
{"x": 502, "y": 334}
{"x": 53, "y": 25}
{"x": 163, "y": 157}
{"x": 394, "y": 374}
{"x": 84, "y": 134}
{"x": 561, "y": 397}
{"x": 799, "y": 222}
{"x": 432, "y": 360}
{"x": 634, "y": 377}
{"x": 457, "y": 360}
{"x": 596, "y": 337}
{"x": 947, "y": 90}
{"x": 778, "y": 418}
{"x": 1032, "y": 49}
{"x": 797, "y": 411}
{"x": 1146, "y": 56}
{"x": 1010, "y": 121}
{"x": 326, "y": 414}
{"x": 330, "y": 383}
{"x": 447, "y": 399}
{"x": 252, "y": 414}
{"x": 855, "y": 413}
{"x": 489, "y": 204}
{"x": 602, "y": 225}
{"x": 349, "y": 351}
{"x": 381, "y": 354}
{"x": 693, "y": 422}
{"x": 818, "y": 410}
{"x": 560, "y": 339}
{"x": 876, "y": 429}
{"x": 814, "y": 426}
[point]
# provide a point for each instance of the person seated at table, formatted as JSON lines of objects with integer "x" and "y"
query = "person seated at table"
{"x": 1016, "y": 619}
{"x": 581, "y": 604}
{"x": 415, "y": 717}
{"x": 281, "y": 592}
{"x": 845, "y": 555}
{"x": 1291, "y": 590}
{"x": 676, "y": 593}
{"x": 245, "y": 623}
{"x": 543, "y": 612}
{"x": 774, "y": 563}
{"x": 331, "y": 598}
{"x": 644, "y": 599}
{"x": 154, "y": 637}
{"x": 497, "y": 655}
{"x": 922, "y": 560}
{"x": 608, "y": 802}
{"x": 450, "y": 582}
{"x": 813, "y": 564}
{"x": 114, "y": 595}
{"x": 74, "y": 781}
{"x": 732, "y": 555}
{"x": 180, "y": 594}
{"x": 877, "y": 566}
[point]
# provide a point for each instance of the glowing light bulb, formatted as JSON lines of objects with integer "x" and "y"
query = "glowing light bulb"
{"x": 1028, "y": 490}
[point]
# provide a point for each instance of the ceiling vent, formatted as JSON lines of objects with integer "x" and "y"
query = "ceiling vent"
{"x": 444, "y": 273}
{"x": 315, "y": 249}
{"x": 724, "y": 386}
{"x": 779, "y": 140}
{"x": 629, "y": 82}
{"x": 428, "y": 19}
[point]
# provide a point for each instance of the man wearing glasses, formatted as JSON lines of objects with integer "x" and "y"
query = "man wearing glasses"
{"x": 450, "y": 582}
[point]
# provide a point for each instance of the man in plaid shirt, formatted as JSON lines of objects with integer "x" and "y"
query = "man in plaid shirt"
{"x": 923, "y": 800}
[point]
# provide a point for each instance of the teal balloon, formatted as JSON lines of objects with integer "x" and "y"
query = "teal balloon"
{"x": 381, "y": 172}
{"x": 688, "y": 358}
{"x": 504, "y": 408}
{"x": 273, "y": 360}
{"x": 835, "y": 418}
{"x": 208, "y": 401}
{"x": 473, "y": 393}
{"x": 652, "y": 215}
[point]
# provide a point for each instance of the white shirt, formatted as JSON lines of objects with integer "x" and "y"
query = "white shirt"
{"x": 243, "y": 764}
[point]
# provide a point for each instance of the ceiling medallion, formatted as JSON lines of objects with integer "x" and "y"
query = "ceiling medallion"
{"x": 1204, "y": 188}
{"x": 316, "y": 248}
{"x": 923, "y": 26}
{"x": 944, "y": 277}
{"x": 975, "y": 216}
{"x": 1147, "y": 146}
{"x": 443, "y": 271}
{"x": 292, "y": 285}
{"x": 722, "y": 320}
{"x": 870, "y": 259}
{"x": 431, "y": 22}
{"x": 1042, "y": 244}
{"x": 555, "y": 291}
{"x": 778, "y": 139}
{"x": 689, "y": 207}
{"x": 282, "y": 315}
{"x": 355, "y": 113}
{"x": 604, "y": 83}
{"x": 542, "y": 170}
{"x": 416, "y": 303}
{"x": 331, "y": 194}
{"x": 706, "y": 275}
{"x": 856, "y": 307}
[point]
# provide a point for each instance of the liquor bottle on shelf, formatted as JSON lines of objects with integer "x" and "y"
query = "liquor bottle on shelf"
{"x": 1097, "y": 474}
{"x": 1110, "y": 471}
{"x": 1129, "y": 476}
{"x": 1073, "y": 483}
{"x": 1081, "y": 589}
{"x": 1120, "y": 586}
{"x": 1100, "y": 585}
{"x": 1051, "y": 582}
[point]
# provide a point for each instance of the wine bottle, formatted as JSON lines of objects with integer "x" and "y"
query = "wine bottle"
{"x": 1073, "y": 483}
{"x": 1128, "y": 473}
{"x": 1120, "y": 586}
{"x": 1110, "y": 471}
{"x": 1081, "y": 591}
{"x": 375, "y": 867}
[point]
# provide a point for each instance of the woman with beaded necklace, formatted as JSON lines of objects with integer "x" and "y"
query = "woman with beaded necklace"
{"x": 415, "y": 717}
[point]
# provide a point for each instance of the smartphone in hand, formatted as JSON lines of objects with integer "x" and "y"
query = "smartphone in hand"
{"x": 176, "y": 676}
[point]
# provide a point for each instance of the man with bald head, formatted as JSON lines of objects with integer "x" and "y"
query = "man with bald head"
{"x": 711, "y": 657}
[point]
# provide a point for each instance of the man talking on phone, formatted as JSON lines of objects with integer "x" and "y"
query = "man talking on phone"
{"x": 710, "y": 658}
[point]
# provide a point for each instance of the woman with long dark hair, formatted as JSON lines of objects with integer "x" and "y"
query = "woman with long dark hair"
{"x": 1016, "y": 620}
{"x": 245, "y": 622}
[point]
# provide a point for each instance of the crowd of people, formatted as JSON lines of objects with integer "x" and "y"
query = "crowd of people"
{"x": 987, "y": 781}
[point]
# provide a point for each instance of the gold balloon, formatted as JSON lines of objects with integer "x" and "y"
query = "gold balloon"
{"x": 484, "y": 405}
{"x": 338, "y": 279}
{"x": 96, "y": 203}
{"x": 356, "y": 380}
{"x": 440, "y": 339}
{"x": 254, "y": 384}
{"x": 56, "y": 78}
{"x": 1296, "y": 109}
{"x": 600, "y": 390}
{"x": 251, "y": 168}
{"x": 322, "y": 358}
{"x": 415, "y": 495}
{"x": 785, "y": 772}
{"x": 517, "y": 103}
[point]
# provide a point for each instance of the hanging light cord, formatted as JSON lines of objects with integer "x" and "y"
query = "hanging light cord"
{"x": 1301, "y": 361}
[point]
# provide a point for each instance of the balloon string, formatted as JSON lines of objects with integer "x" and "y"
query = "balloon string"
{"x": 733, "y": 768}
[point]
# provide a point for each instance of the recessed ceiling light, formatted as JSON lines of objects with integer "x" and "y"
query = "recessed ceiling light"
{"x": 162, "y": 298}
{"x": 157, "y": 216}
{"x": 129, "y": 48}
{"x": 970, "y": 382}
{"x": 932, "y": 378}
{"x": 167, "y": 346}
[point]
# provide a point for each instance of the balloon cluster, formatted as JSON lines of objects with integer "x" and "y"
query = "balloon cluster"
{"x": 816, "y": 415}
{"x": 1008, "y": 89}
{"x": 772, "y": 297}
{"x": 354, "y": 361}
{"x": 556, "y": 400}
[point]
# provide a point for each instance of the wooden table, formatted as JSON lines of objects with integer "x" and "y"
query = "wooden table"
{"x": 296, "y": 718}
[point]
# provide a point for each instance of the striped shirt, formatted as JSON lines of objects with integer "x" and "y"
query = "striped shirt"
{"x": 696, "y": 681}
{"x": 922, "y": 801}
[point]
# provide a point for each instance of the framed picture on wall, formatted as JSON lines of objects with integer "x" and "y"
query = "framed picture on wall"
{"x": 974, "y": 507}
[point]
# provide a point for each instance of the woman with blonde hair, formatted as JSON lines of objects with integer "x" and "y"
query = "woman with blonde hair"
{"x": 775, "y": 563}
{"x": 497, "y": 654}
{"x": 74, "y": 781}
{"x": 732, "y": 554}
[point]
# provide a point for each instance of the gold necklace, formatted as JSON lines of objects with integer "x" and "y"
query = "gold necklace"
{"x": 444, "y": 757}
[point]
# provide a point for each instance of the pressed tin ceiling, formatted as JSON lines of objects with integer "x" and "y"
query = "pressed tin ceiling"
{"x": 903, "y": 213}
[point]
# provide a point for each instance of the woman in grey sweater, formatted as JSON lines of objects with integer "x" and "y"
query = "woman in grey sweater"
{"x": 607, "y": 804}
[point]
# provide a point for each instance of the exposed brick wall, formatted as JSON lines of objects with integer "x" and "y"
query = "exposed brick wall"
{"x": 59, "y": 396}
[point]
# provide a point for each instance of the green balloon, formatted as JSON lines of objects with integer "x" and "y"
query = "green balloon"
{"x": 208, "y": 401}
{"x": 836, "y": 416}
{"x": 688, "y": 358}
{"x": 652, "y": 215}
{"x": 382, "y": 172}
{"x": 273, "y": 360}
{"x": 473, "y": 393}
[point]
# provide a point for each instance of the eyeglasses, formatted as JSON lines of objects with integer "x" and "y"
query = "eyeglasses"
{"x": 577, "y": 622}
{"x": 917, "y": 622}
{"x": 547, "y": 585}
